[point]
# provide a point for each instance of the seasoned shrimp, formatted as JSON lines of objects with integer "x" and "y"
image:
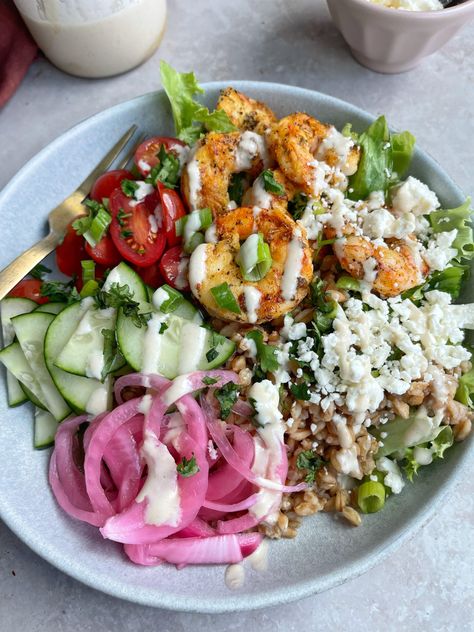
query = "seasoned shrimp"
{"x": 216, "y": 157}
{"x": 391, "y": 269}
{"x": 299, "y": 142}
{"x": 245, "y": 113}
{"x": 282, "y": 288}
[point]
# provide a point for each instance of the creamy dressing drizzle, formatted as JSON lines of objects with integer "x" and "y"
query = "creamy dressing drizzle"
{"x": 197, "y": 267}
{"x": 98, "y": 402}
{"x": 252, "y": 302}
{"x": 251, "y": 146}
{"x": 161, "y": 485}
{"x": 293, "y": 265}
{"x": 194, "y": 180}
{"x": 192, "y": 345}
{"x": 152, "y": 343}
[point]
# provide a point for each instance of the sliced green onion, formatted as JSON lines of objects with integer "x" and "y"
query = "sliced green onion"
{"x": 348, "y": 283}
{"x": 254, "y": 258}
{"x": 371, "y": 496}
{"x": 98, "y": 227}
{"x": 191, "y": 244}
{"x": 89, "y": 289}
{"x": 171, "y": 303}
{"x": 224, "y": 298}
{"x": 197, "y": 220}
{"x": 88, "y": 270}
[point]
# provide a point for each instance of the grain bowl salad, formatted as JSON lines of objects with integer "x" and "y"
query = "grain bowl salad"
{"x": 260, "y": 324}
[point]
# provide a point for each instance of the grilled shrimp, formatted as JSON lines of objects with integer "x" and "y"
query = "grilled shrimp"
{"x": 245, "y": 113}
{"x": 282, "y": 288}
{"x": 298, "y": 142}
{"x": 392, "y": 268}
{"x": 216, "y": 157}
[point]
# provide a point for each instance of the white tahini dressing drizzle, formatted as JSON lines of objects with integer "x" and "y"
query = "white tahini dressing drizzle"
{"x": 252, "y": 302}
{"x": 152, "y": 343}
{"x": 161, "y": 486}
{"x": 293, "y": 265}
{"x": 194, "y": 180}
{"x": 193, "y": 342}
{"x": 259, "y": 196}
{"x": 251, "y": 146}
{"x": 197, "y": 267}
{"x": 98, "y": 402}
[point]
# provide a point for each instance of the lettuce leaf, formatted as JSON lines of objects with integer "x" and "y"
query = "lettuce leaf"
{"x": 449, "y": 280}
{"x": 437, "y": 447}
{"x": 465, "y": 390}
{"x": 384, "y": 159}
{"x": 191, "y": 119}
{"x": 456, "y": 218}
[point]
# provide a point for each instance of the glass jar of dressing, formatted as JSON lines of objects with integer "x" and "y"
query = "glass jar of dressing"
{"x": 91, "y": 38}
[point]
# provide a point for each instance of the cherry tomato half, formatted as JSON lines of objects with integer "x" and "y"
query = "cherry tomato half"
{"x": 174, "y": 268}
{"x": 172, "y": 209}
{"x": 146, "y": 155}
{"x": 135, "y": 229}
{"x": 70, "y": 253}
{"x": 105, "y": 253}
{"x": 108, "y": 182}
{"x": 29, "y": 288}
{"x": 151, "y": 275}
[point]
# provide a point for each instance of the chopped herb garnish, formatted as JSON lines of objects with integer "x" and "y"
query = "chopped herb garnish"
{"x": 126, "y": 234}
{"x": 166, "y": 171}
{"x": 129, "y": 187}
{"x": 211, "y": 354}
{"x": 236, "y": 188}
{"x": 266, "y": 354}
{"x": 187, "y": 467}
{"x": 39, "y": 271}
{"x": 120, "y": 297}
{"x": 227, "y": 396}
{"x": 163, "y": 328}
{"x": 297, "y": 205}
{"x": 300, "y": 391}
{"x": 326, "y": 307}
{"x": 270, "y": 184}
{"x": 209, "y": 381}
{"x": 311, "y": 462}
{"x": 59, "y": 292}
{"x": 112, "y": 355}
{"x": 122, "y": 216}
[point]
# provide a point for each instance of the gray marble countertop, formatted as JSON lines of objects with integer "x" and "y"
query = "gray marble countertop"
{"x": 429, "y": 583}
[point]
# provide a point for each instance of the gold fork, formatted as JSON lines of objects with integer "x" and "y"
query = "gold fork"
{"x": 60, "y": 218}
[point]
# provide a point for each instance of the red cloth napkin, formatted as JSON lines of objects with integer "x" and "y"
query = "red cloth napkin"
{"x": 17, "y": 50}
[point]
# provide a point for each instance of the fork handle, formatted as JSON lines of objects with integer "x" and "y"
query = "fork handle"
{"x": 25, "y": 262}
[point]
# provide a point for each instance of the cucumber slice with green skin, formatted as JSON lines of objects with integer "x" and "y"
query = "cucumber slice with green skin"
{"x": 75, "y": 389}
{"x": 29, "y": 396}
{"x": 15, "y": 361}
{"x": 45, "y": 429}
{"x": 124, "y": 275}
{"x": 169, "y": 301}
{"x": 182, "y": 347}
{"x": 30, "y": 329}
{"x": 9, "y": 308}
{"x": 51, "y": 308}
{"x": 84, "y": 352}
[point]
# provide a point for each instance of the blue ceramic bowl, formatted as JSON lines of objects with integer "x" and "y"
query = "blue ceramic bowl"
{"x": 326, "y": 551}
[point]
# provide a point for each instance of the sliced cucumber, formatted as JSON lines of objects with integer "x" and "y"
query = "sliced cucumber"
{"x": 84, "y": 352}
{"x": 51, "y": 308}
{"x": 45, "y": 429}
{"x": 9, "y": 308}
{"x": 183, "y": 346}
{"x": 124, "y": 275}
{"x": 15, "y": 361}
{"x": 75, "y": 389}
{"x": 30, "y": 329}
{"x": 29, "y": 396}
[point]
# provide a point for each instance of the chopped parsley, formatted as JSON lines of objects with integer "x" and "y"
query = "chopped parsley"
{"x": 326, "y": 308}
{"x": 166, "y": 171}
{"x": 209, "y": 381}
{"x": 270, "y": 184}
{"x": 297, "y": 206}
{"x": 300, "y": 391}
{"x": 163, "y": 328}
{"x": 112, "y": 355}
{"x": 311, "y": 462}
{"x": 120, "y": 297}
{"x": 227, "y": 396}
{"x": 59, "y": 292}
{"x": 266, "y": 354}
{"x": 211, "y": 354}
{"x": 129, "y": 187}
{"x": 187, "y": 467}
{"x": 39, "y": 271}
{"x": 122, "y": 216}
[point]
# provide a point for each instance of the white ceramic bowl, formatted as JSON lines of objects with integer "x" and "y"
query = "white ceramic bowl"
{"x": 394, "y": 40}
